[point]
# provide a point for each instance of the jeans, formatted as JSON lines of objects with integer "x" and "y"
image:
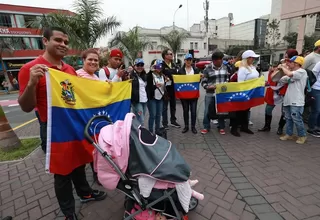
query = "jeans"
{"x": 206, "y": 120}
{"x": 63, "y": 189}
{"x": 269, "y": 109}
{"x": 139, "y": 109}
{"x": 192, "y": 105}
{"x": 172, "y": 101}
{"x": 293, "y": 116}
{"x": 155, "y": 109}
{"x": 43, "y": 133}
{"x": 314, "y": 118}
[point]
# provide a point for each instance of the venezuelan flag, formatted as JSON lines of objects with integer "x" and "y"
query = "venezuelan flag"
{"x": 237, "y": 96}
{"x": 72, "y": 101}
{"x": 187, "y": 86}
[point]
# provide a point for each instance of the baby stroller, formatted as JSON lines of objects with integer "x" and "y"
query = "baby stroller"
{"x": 145, "y": 167}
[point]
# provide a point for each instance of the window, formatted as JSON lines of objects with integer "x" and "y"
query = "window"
{"x": 6, "y": 20}
{"x": 37, "y": 43}
{"x": 18, "y": 43}
{"x": 216, "y": 28}
{"x": 318, "y": 23}
{"x": 154, "y": 45}
{"x": 25, "y": 20}
{"x": 205, "y": 46}
{"x": 196, "y": 45}
{"x": 191, "y": 45}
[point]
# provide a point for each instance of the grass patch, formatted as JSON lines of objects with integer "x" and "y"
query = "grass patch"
{"x": 28, "y": 145}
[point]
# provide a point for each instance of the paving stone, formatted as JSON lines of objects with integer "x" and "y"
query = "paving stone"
{"x": 269, "y": 216}
{"x": 248, "y": 192}
{"x": 255, "y": 200}
{"x": 262, "y": 208}
{"x": 227, "y": 214}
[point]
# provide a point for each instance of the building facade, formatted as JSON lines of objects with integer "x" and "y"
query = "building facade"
{"x": 15, "y": 30}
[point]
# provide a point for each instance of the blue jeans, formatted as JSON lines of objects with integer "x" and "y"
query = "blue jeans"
{"x": 206, "y": 120}
{"x": 314, "y": 118}
{"x": 293, "y": 116}
{"x": 155, "y": 110}
{"x": 139, "y": 109}
{"x": 43, "y": 132}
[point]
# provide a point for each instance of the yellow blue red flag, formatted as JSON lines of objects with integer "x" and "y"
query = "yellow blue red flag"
{"x": 187, "y": 86}
{"x": 72, "y": 101}
{"x": 237, "y": 96}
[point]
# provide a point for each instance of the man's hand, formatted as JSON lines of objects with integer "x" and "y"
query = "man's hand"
{"x": 121, "y": 72}
{"x": 36, "y": 72}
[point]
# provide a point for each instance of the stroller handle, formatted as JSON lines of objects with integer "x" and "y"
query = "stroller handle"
{"x": 86, "y": 130}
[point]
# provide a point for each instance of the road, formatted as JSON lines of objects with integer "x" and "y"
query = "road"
{"x": 14, "y": 114}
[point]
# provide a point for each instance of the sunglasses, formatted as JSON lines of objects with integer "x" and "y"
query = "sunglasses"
{"x": 140, "y": 65}
{"x": 169, "y": 54}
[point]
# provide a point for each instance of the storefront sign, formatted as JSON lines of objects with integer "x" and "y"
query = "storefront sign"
{"x": 19, "y": 31}
{"x": 15, "y": 64}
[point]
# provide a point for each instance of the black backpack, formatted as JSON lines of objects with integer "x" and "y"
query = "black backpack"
{"x": 311, "y": 77}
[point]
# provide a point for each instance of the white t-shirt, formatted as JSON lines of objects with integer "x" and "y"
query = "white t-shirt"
{"x": 191, "y": 71}
{"x": 245, "y": 74}
{"x": 295, "y": 93}
{"x": 158, "y": 79}
{"x": 142, "y": 91}
{"x": 316, "y": 72}
{"x": 113, "y": 75}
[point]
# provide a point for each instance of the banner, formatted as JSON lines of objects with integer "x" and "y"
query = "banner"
{"x": 72, "y": 101}
{"x": 237, "y": 96}
{"x": 187, "y": 86}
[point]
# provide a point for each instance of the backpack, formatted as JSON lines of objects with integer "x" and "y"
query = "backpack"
{"x": 311, "y": 77}
{"x": 106, "y": 70}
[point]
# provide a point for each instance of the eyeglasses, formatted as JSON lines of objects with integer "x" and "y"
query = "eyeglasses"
{"x": 169, "y": 54}
{"x": 140, "y": 65}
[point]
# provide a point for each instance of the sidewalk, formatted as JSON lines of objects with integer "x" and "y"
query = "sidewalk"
{"x": 247, "y": 178}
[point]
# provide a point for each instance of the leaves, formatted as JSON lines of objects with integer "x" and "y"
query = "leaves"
{"x": 131, "y": 43}
{"x": 174, "y": 40}
{"x": 273, "y": 33}
{"x": 84, "y": 28}
{"x": 291, "y": 39}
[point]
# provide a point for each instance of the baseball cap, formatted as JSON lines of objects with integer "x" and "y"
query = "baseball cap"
{"x": 188, "y": 56}
{"x": 298, "y": 60}
{"x": 237, "y": 64}
{"x": 116, "y": 53}
{"x": 157, "y": 65}
{"x": 317, "y": 44}
{"x": 249, "y": 53}
{"x": 138, "y": 61}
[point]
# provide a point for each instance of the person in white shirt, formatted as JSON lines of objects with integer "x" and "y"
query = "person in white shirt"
{"x": 155, "y": 92}
{"x": 113, "y": 72}
{"x": 246, "y": 72}
{"x": 313, "y": 58}
{"x": 294, "y": 99}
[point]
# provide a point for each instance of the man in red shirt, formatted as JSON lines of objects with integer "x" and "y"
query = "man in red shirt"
{"x": 33, "y": 94}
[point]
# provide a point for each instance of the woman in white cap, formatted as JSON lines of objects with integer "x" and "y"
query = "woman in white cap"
{"x": 246, "y": 72}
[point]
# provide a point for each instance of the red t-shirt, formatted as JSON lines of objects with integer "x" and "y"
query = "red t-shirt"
{"x": 41, "y": 93}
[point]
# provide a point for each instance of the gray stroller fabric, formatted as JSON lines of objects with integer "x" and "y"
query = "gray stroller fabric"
{"x": 155, "y": 156}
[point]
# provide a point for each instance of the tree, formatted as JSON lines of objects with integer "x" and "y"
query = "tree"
{"x": 291, "y": 39}
{"x": 309, "y": 41}
{"x": 131, "y": 43}
{"x": 85, "y": 27}
{"x": 174, "y": 40}
{"x": 273, "y": 35}
{"x": 5, "y": 48}
{"x": 8, "y": 138}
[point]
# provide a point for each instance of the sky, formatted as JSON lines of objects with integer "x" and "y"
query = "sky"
{"x": 159, "y": 13}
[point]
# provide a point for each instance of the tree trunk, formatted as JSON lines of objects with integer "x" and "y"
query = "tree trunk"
{"x": 5, "y": 73}
{"x": 8, "y": 138}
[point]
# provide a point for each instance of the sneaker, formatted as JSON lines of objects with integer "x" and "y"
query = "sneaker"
{"x": 313, "y": 133}
{"x": 204, "y": 131}
{"x": 175, "y": 124}
{"x": 215, "y": 122}
{"x": 73, "y": 217}
{"x": 286, "y": 138}
{"x": 250, "y": 123}
{"x": 166, "y": 127}
{"x": 222, "y": 131}
{"x": 301, "y": 140}
{"x": 96, "y": 195}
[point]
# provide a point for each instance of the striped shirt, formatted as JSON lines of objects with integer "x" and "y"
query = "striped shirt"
{"x": 82, "y": 73}
{"x": 213, "y": 76}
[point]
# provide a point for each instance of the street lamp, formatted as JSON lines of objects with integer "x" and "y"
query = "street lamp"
{"x": 174, "y": 15}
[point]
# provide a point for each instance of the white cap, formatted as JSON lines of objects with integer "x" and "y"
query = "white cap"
{"x": 249, "y": 53}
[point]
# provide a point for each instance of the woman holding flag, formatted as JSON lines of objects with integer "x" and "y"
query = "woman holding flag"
{"x": 189, "y": 101}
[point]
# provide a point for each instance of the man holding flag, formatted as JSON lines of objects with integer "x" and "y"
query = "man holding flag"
{"x": 187, "y": 89}
{"x": 33, "y": 94}
{"x": 215, "y": 73}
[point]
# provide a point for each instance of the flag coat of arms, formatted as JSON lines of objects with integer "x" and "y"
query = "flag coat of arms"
{"x": 187, "y": 86}
{"x": 72, "y": 102}
{"x": 237, "y": 96}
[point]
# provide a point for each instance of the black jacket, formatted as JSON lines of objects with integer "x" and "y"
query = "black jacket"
{"x": 167, "y": 71}
{"x": 135, "y": 94}
{"x": 182, "y": 71}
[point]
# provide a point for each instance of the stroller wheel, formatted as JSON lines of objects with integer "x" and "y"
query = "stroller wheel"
{"x": 193, "y": 203}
